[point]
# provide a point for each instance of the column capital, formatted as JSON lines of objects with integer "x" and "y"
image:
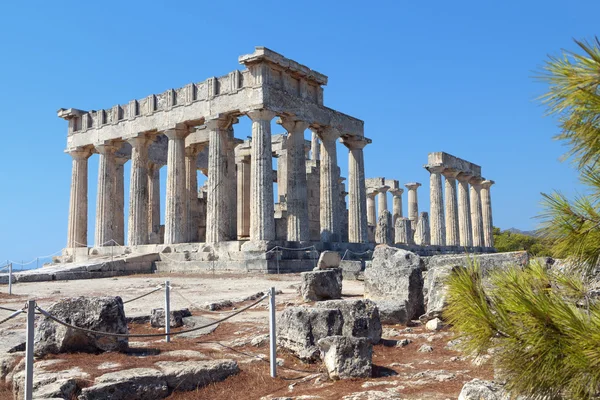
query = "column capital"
{"x": 412, "y": 185}
{"x": 107, "y": 147}
{"x": 486, "y": 184}
{"x": 80, "y": 153}
{"x": 177, "y": 133}
{"x": 464, "y": 177}
{"x": 328, "y": 134}
{"x": 293, "y": 125}
{"x": 261, "y": 115}
{"x": 396, "y": 191}
{"x": 140, "y": 140}
{"x": 194, "y": 149}
{"x": 120, "y": 159}
{"x": 476, "y": 180}
{"x": 434, "y": 168}
{"x": 355, "y": 142}
{"x": 220, "y": 122}
{"x": 383, "y": 189}
{"x": 450, "y": 173}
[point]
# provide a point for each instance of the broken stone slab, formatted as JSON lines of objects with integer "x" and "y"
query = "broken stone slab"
{"x": 136, "y": 383}
{"x": 328, "y": 259}
{"x": 62, "y": 384}
{"x": 361, "y": 317}
{"x": 218, "y": 305}
{"x": 347, "y": 357}
{"x": 487, "y": 262}
{"x": 195, "y": 321}
{"x": 352, "y": 270}
{"x": 191, "y": 375}
{"x": 479, "y": 389}
{"x": 157, "y": 317}
{"x": 392, "y": 312}
{"x": 104, "y": 314}
{"x": 321, "y": 285}
{"x": 300, "y": 328}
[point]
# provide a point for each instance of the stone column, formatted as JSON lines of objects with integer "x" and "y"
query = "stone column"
{"x": 191, "y": 188}
{"x": 486, "y": 211}
{"x": 105, "y": 203}
{"x": 153, "y": 203}
{"x": 231, "y": 183}
{"x": 77, "y": 230}
{"x": 315, "y": 147}
{"x": 371, "y": 211}
{"x": 175, "y": 205}
{"x": 413, "y": 204}
{"x": 119, "y": 199}
{"x": 452, "y": 231}
{"x": 403, "y": 231}
{"x": 243, "y": 199}
{"x": 297, "y": 194}
{"x": 137, "y": 232}
{"x": 282, "y": 176}
{"x": 464, "y": 210}
{"x": 382, "y": 204}
{"x": 476, "y": 212}
{"x": 396, "y": 204}
{"x": 329, "y": 186}
{"x": 358, "y": 230}
{"x": 423, "y": 231}
{"x": 436, "y": 206}
{"x": 262, "y": 211}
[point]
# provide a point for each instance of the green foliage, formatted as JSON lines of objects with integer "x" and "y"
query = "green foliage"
{"x": 509, "y": 241}
{"x": 541, "y": 326}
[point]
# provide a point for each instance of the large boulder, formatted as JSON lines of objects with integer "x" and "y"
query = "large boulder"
{"x": 347, "y": 357}
{"x": 329, "y": 259}
{"x": 157, "y": 318}
{"x": 395, "y": 275}
{"x": 300, "y": 328}
{"x": 478, "y": 389}
{"x": 103, "y": 314}
{"x": 361, "y": 318}
{"x": 392, "y": 312}
{"x": 487, "y": 262}
{"x": 437, "y": 290}
{"x": 136, "y": 383}
{"x": 191, "y": 375}
{"x": 321, "y": 285}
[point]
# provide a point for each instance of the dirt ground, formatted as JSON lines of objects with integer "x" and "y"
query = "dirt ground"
{"x": 399, "y": 372}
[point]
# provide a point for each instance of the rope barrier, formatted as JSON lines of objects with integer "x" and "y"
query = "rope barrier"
{"x": 8, "y": 309}
{"x": 147, "y": 335}
{"x": 144, "y": 295}
{"x": 11, "y": 316}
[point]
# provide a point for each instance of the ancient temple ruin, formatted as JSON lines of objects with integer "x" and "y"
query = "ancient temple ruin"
{"x": 192, "y": 129}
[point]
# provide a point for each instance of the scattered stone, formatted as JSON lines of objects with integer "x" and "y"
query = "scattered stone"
{"x": 347, "y": 357}
{"x": 378, "y": 383}
{"x": 425, "y": 348}
{"x": 321, "y": 285}
{"x": 139, "y": 319}
{"x": 196, "y": 321}
{"x": 403, "y": 342}
{"x": 478, "y": 389}
{"x": 328, "y": 259}
{"x": 183, "y": 354}
{"x": 48, "y": 385}
{"x": 392, "y": 312}
{"x": 136, "y": 383}
{"x": 218, "y": 305}
{"x": 104, "y": 314}
{"x": 191, "y": 375}
{"x": 157, "y": 317}
{"x": 361, "y": 318}
{"x": 434, "y": 325}
{"x": 260, "y": 340}
{"x": 108, "y": 365}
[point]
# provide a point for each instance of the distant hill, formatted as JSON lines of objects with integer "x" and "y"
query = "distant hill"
{"x": 527, "y": 233}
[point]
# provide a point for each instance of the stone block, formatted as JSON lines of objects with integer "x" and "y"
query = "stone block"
{"x": 347, "y": 357}
{"x": 361, "y": 317}
{"x": 191, "y": 375}
{"x": 329, "y": 259}
{"x": 321, "y": 285}
{"x": 157, "y": 317}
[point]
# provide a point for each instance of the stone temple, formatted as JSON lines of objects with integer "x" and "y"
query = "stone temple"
{"x": 234, "y": 220}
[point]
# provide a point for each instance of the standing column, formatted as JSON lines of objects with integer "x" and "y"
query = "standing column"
{"x": 382, "y": 204}
{"x": 413, "y": 204}
{"x": 282, "y": 176}
{"x": 243, "y": 199}
{"x": 464, "y": 210}
{"x": 175, "y": 225}
{"x": 358, "y": 230}
{"x": 396, "y": 204}
{"x": 436, "y": 206}
{"x": 476, "y": 218}
{"x": 137, "y": 233}
{"x": 329, "y": 186}
{"x": 119, "y": 199}
{"x": 231, "y": 180}
{"x": 371, "y": 210}
{"x": 315, "y": 147}
{"x": 105, "y": 210}
{"x": 153, "y": 203}
{"x": 486, "y": 211}
{"x": 452, "y": 231}
{"x": 191, "y": 187}
{"x": 262, "y": 211}
{"x": 297, "y": 195}
{"x": 77, "y": 230}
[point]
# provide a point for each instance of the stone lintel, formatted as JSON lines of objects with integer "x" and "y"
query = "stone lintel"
{"x": 450, "y": 161}
{"x": 68, "y": 113}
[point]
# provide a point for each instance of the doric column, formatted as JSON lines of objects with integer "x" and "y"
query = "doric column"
{"x": 382, "y": 204}
{"x": 371, "y": 210}
{"x": 119, "y": 199}
{"x": 396, "y": 204}
{"x": 282, "y": 176}
{"x": 464, "y": 210}
{"x": 486, "y": 211}
{"x": 315, "y": 147}
{"x": 105, "y": 203}
{"x": 297, "y": 194}
{"x": 175, "y": 204}
{"x": 413, "y": 204}
{"x": 402, "y": 231}
{"x": 329, "y": 186}
{"x": 243, "y": 198}
{"x": 452, "y": 231}
{"x": 476, "y": 218}
{"x": 77, "y": 230}
{"x": 262, "y": 211}
{"x": 231, "y": 182}
{"x": 191, "y": 188}
{"x": 436, "y": 205}
{"x": 358, "y": 230}
{"x": 137, "y": 232}
{"x": 423, "y": 231}
{"x": 153, "y": 203}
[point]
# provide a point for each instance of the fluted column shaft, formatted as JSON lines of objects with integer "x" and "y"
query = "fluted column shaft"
{"x": 105, "y": 202}
{"x": 476, "y": 217}
{"x": 175, "y": 204}
{"x": 137, "y": 232}
{"x": 119, "y": 198}
{"x": 436, "y": 206}
{"x": 371, "y": 211}
{"x": 396, "y": 204}
{"x": 243, "y": 199}
{"x": 382, "y": 203}
{"x": 358, "y": 230}
{"x": 78, "y": 203}
{"x": 452, "y": 231}
{"x": 329, "y": 186}
{"x": 191, "y": 187}
{"x": 413, "y": 204}
{"x": 486, "y": 208}
{"x": 315, "y": 147}
{"x": 464, "y": 211}
{"x": 262, "y": 211}
{"x": 153, "y": 202}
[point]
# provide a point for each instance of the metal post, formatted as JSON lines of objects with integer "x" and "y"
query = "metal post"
{"x": 167, "y": 312}
{"x": 29, "y": 350}
{"x": 10, "y": 279}
{"x": 272, "y": 336}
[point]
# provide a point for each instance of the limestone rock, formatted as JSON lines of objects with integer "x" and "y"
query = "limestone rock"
{"x": 321, "y": 285}
{"x": 157, "y": 317}
{"x": 190, "y": 375}
{"x": 47, "y": 385}
{"x": 196, "y": 321}
{"x": 403, "y": 231}
{"x": 329, "y": 259}
{"x": 383, "y": 232}
{"x": 422, "y": 232}
{"x": 478, "y": 389}
{"x": 300, "y": 328}
{"x": 395, "y": 274}
{"x": 392, "y": 312}
{"x": 136, "y": 383}
{"x": 104, "y": 314}
{"x": 425, "y": 348}
{"x": 361, "y": 318}
{"x": 437, "y": 290}
{"x": 434, "y": 325}
{"x": 7, "y": 364}
{"x": 487, "y": 262}
{"x": 347, "y": 357}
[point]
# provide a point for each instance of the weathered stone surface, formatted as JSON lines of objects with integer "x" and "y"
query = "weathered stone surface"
{"x": 352, "y": 270}
{"x": 321, "y": 285}
{"x": 196, "y": 321}
{"x": 329, "y": 259}
{"x": 300, "y": 328}
{"x": 7, "y": 364}
{"x": 191, "y": 375}
{"x": 487, "y": 262}
{"x": 392, "y": 311}
{"x": 423, "y": 232}
{"x": 395, "y": 274}
{"x": 361, "y": 317}
{"x": 104, "y": 314}
{"x": 383, "y": 233}
{"x": 478, "y": 389}
{"x": 157, "y": 318}
{"x": 48, "y": 385}
{"x": 347, "y": 357}
{"x": 437, "y": 290}
{"x": 12, "y": 341}
{"x": 434, "y": 325}
{"x": 130, "y": 384}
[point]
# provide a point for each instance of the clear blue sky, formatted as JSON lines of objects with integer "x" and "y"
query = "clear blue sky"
{"x": 424, "y": 76}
